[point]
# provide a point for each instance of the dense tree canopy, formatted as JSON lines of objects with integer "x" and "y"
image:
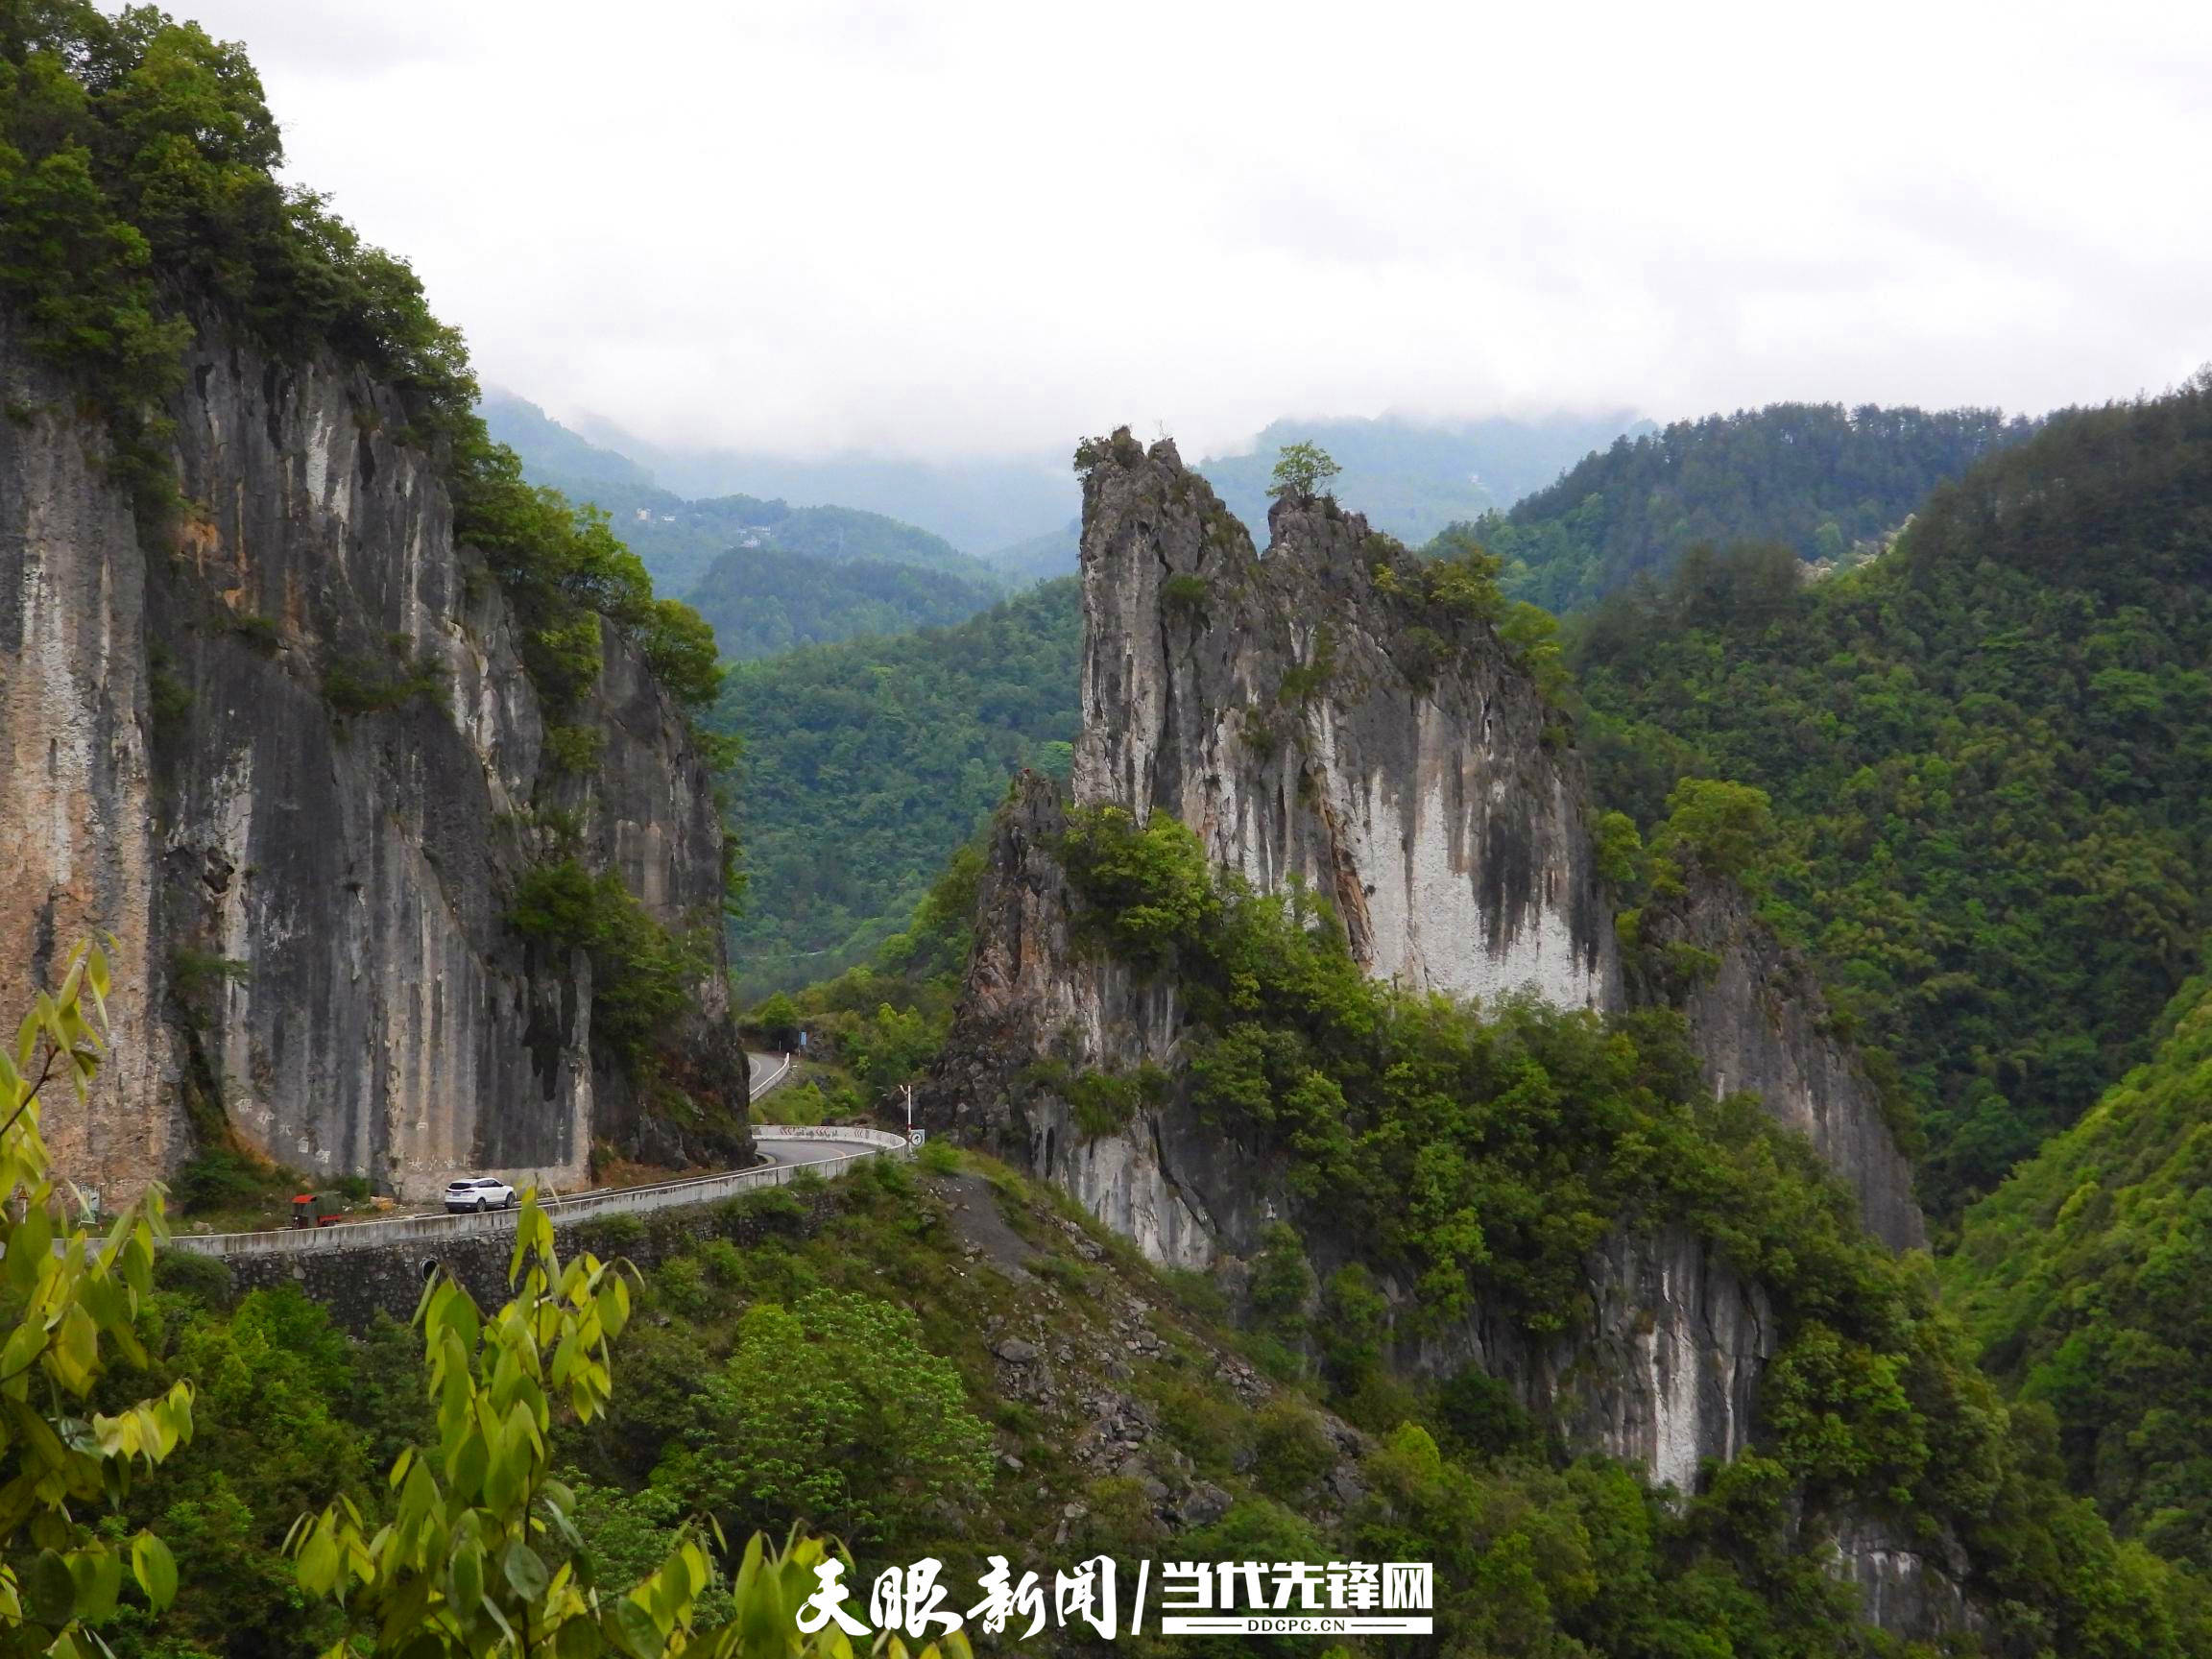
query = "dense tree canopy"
{"x": 868, "y": 763}
{"x": 137, "y": 161}
{"x": 763, "y": 600}
{"x": 1482, "y": 1154}
{"x": 2084, "y": 1278}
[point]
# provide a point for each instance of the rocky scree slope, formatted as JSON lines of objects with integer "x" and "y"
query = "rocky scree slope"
{"x": 286, "y": 751}
{"x": 1316, "y": 722}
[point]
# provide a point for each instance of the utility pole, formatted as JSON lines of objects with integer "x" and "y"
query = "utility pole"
{"x": 909, "y": 1089}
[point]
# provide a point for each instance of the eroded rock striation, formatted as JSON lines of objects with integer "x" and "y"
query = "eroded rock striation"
{"x": 285, "y": 749}
{"x": 1312, "y": 727}
{"x": 1314, "y": 721}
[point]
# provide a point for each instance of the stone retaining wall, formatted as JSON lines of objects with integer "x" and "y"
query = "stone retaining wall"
{"x": 356, "y": 1285}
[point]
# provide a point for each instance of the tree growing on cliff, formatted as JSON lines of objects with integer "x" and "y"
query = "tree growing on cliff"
{"x": 1719, "y": 827}
{"x": 69, "y": 1303}
{"x": 1302, "y": 472}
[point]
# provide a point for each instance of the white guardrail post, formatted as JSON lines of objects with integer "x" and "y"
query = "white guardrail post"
{"x": 563, "y": 1211}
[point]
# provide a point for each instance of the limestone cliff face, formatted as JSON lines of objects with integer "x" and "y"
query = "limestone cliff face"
{"x": 1314, "y": 721}
{"x": 309, "y": 890}
{"x": 1760, "y": 1023}
{"x": 1180, "y": 1194}
{"x": 1312, "y": 725}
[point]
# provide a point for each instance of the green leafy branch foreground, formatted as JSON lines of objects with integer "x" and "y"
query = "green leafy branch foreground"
{"x": 773, "y": 1385}
{"x": 478, "y": 1552}
{"x": 482, "y": 1553}
{"x": 70, "y": 1303}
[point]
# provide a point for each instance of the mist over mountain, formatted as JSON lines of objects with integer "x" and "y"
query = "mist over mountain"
{"x": 977, "y": 505}
{"x": 549, "y": 450}
{"x": 1040, "y": 557}
{"x": 1413, "y": 478}
{"x": 1016, "y": 512}
{"x": 678, "y": 537}
{"x": 1678, "y": 1127}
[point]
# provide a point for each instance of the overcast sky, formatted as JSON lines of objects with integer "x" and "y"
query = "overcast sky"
{"x": 957, "y": 227}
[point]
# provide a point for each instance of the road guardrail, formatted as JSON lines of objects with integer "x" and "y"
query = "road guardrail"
{"x": 563, "y": 1211}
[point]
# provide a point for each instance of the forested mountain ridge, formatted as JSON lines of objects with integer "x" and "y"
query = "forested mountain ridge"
{"x": 869, "y": 762}
{"x": 763, "y": 600}
{"x": 1988, "y": 752}
{"x": 1056, "y": 708}
{"x": 388, "y": 767}
{"x": 1814, "y": 476}
{"x": 1270, "y": 989}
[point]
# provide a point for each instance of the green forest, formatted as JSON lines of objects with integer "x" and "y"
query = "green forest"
{"x": 2082, "y": 1279}
{"x": 1988, "y": 752}
{"x": 1481, "y": 1156}
{"x": 1815, "y": 477}
{"x": 1810, "y": 475}
{"x": 764, "y": 600}
{"x": 869, "y": 762}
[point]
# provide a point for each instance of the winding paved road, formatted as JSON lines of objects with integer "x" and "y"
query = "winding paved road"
{"x": 766, "y": 1073}
{"x": 784, "y": 1151}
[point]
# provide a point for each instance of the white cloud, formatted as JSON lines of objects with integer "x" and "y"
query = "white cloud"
{"x": 962, "y": 226}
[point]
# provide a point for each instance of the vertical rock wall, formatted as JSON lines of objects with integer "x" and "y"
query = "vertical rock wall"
{"x": 1665, "y": 1350}
{"x": 1760, "y": 1023}
{"x": 77, "y": 794}
{"x": 1278, "y": 707}
{"x": 310, "y": 892}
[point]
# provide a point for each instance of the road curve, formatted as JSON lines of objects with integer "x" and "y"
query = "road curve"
{"x": 767, "y": 1071}
{"x": 773, "y": 1072}
{"x": 791, "y": 1154}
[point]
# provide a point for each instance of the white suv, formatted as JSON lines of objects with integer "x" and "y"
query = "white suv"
{"x": 480, "y": 1193}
